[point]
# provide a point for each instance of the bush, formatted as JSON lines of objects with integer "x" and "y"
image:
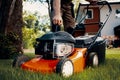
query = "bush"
{"x": 117, "y": 31}
{"x": 7, "y": 46}
{"x": 29, "y": 37}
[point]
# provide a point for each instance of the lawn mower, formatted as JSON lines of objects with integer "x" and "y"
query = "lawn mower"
{"x": 60, "y": 52}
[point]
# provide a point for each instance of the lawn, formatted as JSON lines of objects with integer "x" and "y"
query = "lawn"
{"x": 110, "y": 70}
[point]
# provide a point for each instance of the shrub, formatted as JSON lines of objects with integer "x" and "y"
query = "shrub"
{"x": 29, "y": 37}
{"x": 7, "y": 46}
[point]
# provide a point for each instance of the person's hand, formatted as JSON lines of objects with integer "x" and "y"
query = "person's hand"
{"x": 57, "y": 20}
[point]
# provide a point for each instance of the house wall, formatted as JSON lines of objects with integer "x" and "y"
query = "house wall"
{"x": 112, "y": 22}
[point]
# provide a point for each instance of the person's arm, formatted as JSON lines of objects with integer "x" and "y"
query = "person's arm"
{"x": 57, "y": 19}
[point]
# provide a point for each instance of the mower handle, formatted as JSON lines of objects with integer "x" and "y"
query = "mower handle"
{"x": 105, "y": 3}
{"x": 98, "y": 33}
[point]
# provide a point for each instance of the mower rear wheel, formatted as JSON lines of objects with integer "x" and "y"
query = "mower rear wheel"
{"x": 93, "y": 59}
{"x": 65, "y": 67}
{"x": 19, "y": 60}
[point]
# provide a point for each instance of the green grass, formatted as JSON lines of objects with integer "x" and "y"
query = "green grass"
{"x": 110, "y": 70}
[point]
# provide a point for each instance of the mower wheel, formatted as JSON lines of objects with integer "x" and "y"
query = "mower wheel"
{"x": 93, "y": 59}
{"x": 20, "y": 59}
{"x": 65, "y": 67}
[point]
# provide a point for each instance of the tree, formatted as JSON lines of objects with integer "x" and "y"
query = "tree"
{"x": 11, "y": 20}
{"x": 29, "y": 20}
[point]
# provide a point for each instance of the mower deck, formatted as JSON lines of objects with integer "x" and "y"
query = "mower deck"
{"x": 49, "y": 66}
{"x": 40, "y": 65}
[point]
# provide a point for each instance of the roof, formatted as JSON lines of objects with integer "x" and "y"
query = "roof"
{"x": 111, "y": 2}
{"x": 114, "y": 1}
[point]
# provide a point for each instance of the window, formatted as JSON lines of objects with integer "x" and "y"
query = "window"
{"x": 90, "y": 14}
{"x": 117, "y": 13}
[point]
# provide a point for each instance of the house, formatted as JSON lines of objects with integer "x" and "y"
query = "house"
{"x": 98, "y": 14}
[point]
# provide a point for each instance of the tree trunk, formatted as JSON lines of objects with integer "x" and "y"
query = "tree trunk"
{"x": 4, "y": 10}
{"x": 11, "y": 20}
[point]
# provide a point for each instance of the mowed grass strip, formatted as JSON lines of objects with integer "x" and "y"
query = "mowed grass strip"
{"x": 110, "y": 70}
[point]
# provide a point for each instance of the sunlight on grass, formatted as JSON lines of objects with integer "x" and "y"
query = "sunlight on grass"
{"x": 113, "y": 51}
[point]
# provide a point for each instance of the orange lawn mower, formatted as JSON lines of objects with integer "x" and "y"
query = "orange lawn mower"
{"x": 64, "y": 54}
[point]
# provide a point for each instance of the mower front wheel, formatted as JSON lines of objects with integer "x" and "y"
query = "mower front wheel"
{"x": 19, "y": 60}
{"x": 65, "y": 67}
{"x": 93, "y": 59}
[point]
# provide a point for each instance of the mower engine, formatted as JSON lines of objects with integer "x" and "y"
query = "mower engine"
{"x": 63, "y": 49}
{"x": 55, "y": 45}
